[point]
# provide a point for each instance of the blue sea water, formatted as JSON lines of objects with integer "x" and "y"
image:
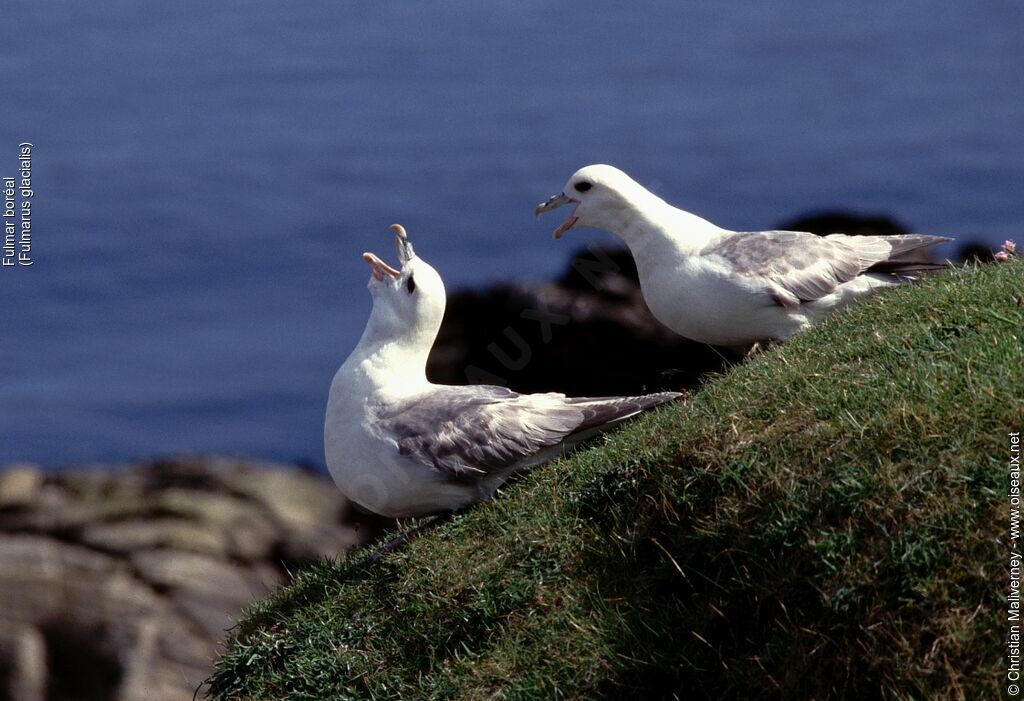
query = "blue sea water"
{"x": 207, "y": 176}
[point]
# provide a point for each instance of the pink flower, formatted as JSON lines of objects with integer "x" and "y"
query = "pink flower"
{"x": 1002, "y": 256}
{"x": 1010, "y": 246}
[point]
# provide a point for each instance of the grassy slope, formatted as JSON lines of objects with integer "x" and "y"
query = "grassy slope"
{"x": 822, "y": 521}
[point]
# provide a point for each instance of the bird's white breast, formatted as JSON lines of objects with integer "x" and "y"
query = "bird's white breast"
{"x": 365, "y": 464}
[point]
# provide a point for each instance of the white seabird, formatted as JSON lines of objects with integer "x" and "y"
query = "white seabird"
{"x": 732, "y": 288}
{"x": 399, "y": 445}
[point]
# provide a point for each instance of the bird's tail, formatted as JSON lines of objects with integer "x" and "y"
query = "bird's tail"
{"x": 910, "y": 256}
{"x": 600, "y": 411}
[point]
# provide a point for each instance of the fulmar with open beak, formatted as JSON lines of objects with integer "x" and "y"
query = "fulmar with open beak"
{"x": 400, "y": 445}
{"x": 732, "y": 288}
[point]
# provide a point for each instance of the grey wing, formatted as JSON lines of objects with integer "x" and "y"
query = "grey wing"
{"x": 802, "y": 267}
{"x": 477, "y": 430}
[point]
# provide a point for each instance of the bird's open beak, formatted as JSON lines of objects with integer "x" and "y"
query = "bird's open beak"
{"x": 405, "y": 253}
{"x": 555, "y": 202}
{"x": 379, "y": 268}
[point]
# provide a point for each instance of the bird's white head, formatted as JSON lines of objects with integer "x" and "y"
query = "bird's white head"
{"x": 408, "y": 303}
{"x": 604, "y": 196}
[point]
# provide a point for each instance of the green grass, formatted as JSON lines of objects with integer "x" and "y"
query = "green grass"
{"x": 827, "y": 520}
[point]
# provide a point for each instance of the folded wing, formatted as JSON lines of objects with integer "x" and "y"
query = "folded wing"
{"x": 479, "y": 430}
{"x": 801, "y": 267}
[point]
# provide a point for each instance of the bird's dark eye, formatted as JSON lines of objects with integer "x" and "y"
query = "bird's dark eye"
{"x": 410, "y": 285}
{"x": 583, "y": 186}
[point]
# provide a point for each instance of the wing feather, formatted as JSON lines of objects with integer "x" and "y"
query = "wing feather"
{"x": 793, "y": 264}
{"x": 477, "y": 430}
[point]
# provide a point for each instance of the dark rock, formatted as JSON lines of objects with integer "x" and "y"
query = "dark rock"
{"x": 843, "y": 222}
{"x": 976, "y": 252}
{"x": 589, "y": 333}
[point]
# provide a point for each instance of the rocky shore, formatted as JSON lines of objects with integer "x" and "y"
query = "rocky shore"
{"x": 120, "y": 583}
